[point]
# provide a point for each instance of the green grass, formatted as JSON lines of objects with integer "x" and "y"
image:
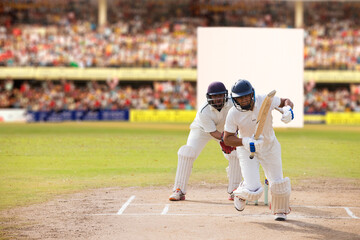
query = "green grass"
{"x": 321, "y": 151}
{"x": 39, "y": 161}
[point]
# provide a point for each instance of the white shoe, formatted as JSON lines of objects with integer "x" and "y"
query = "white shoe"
{"x": 239, "y": 203}
{"x": 280, "y": 217}
{"x": 177, "y": 195}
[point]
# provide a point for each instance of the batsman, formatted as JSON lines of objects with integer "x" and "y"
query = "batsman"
{"x": 247, "y": 113}
{"x": 208, "y": 124}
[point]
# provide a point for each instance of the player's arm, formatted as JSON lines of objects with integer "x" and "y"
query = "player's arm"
{"x": 225, "y": 148}
{"x": 216, "y": 134}
{"x": 249, "y": 143}
{"x": 286, "y": 108}
{"x": 231, "y": 139}
{"x": 286, "y": 102}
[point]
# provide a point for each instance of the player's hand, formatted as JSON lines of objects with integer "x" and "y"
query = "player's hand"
{"x": 225, "y": 148}
{"x": 251, "y": 144}
{"x": 287, "y": 115}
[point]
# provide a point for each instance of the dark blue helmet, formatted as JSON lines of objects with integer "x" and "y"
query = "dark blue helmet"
{"x": 217, "y": 88}
{"x": 242, "y": 88}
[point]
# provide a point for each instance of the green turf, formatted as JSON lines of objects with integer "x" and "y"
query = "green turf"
{"x": 39, "y": 161}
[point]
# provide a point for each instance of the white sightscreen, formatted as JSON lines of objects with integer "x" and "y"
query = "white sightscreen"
{"x": 269, "y": 58}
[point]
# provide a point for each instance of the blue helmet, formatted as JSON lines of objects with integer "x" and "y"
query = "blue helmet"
{"x": 242, "y": 88}
{"x": 217, "y": 88}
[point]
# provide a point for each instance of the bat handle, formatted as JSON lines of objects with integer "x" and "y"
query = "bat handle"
{"x": 252, "y": 149}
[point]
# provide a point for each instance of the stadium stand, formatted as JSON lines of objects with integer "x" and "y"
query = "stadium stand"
{"x": 322, "y": 98}
{"x": 160, "y": 34}
{"x": 136, "y": 36}
{"x": 95, "y": 95}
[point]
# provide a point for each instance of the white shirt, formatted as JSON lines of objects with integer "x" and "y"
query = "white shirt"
{"x": 209, "y": 119}
{"x": 245, "y": 121}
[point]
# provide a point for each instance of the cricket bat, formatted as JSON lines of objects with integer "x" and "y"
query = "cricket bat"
{"x": 260, "y": 121}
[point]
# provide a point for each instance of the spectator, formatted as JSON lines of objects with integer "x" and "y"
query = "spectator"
{"x": 137, "y": 37}
{"x": 67, "y": 95}
{"x": 320, "y": 99}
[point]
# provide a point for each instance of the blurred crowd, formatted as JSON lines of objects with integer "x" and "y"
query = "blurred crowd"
{"x": 114, "y": 95}
{"x": 162, "y": 34}
{"x": 331, "y": 98}
{"x": 94, "y": 95}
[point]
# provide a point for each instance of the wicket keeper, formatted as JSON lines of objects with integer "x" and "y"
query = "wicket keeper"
{"x": 208, "y": 124}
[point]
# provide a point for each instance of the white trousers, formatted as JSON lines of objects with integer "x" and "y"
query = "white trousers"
{"x": 270, "y": 162}
{"x": 197, "y": 140}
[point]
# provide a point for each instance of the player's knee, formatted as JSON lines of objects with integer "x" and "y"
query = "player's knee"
{"x": 280, "y": 192}
{"x": 281, "y": 188}
{"x": 187, "y": 152}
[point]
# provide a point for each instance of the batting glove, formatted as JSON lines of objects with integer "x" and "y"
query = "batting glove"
{"x": 288, "y": 114}
{"x": 251, "y": 144}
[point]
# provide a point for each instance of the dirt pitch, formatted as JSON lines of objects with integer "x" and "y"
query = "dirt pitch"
{"x": 321, "y": 209}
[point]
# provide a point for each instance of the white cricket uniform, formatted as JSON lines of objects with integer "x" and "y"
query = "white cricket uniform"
{"x": 207, "y": 120}
{"x": 269, "y": 155}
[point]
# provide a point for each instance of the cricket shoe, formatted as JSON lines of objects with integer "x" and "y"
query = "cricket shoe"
{"x": 280, "y": 217}
{"x": 231, "y": 196}
{"x": 239, "y": 203}
{"x": 177, "y": 195}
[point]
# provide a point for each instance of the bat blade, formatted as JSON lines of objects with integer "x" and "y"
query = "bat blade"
{"x": 263, "y": 112}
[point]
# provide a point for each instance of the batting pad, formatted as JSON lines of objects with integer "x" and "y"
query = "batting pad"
{"x": 233, "y": 171}
{"x": 280, "y": 196}
{"x": 186, "y": 158}
{"x": 246, "y": 194}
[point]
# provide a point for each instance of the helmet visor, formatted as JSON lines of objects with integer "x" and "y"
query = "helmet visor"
{"x": 243, "y": 103}
{"x": 217, "y": 100}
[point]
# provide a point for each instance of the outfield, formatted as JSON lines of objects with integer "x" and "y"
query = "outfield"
{"x": 40, "y": 161}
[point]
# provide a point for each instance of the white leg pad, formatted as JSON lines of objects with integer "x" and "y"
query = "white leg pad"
{"x": 233, "y": 171}
{"x": 186, "y": 158}
{"x": 280, "y": 196}
{"x": 246, "y": 194}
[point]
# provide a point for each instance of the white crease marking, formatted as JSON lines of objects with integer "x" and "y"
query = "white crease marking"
{"x": 165, "y": 210}
{"x": 350, "y": 213}
{"x": 122, "y": 209}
